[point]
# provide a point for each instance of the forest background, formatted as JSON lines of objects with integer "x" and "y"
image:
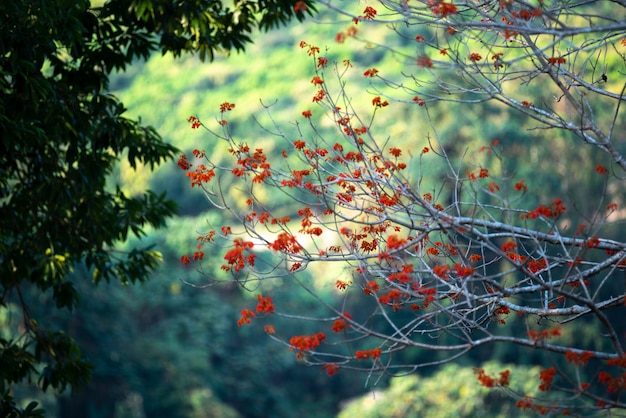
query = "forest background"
{"x": 169, "y": 349}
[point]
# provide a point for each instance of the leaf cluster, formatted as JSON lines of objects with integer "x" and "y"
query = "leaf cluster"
{"x": 61, "y": 134}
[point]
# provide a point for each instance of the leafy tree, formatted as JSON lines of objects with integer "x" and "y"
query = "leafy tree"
{"x": 440, "y": 251}
{"x": 61, "y": 135}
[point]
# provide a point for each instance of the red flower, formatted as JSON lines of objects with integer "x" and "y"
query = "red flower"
{"x": 371, "y": 287}
{"x": 546, "y": 377}
{"x": 378, "y": 102}
{"x": 331, "y": 369}
{"x": 424, "y": 62}
{"x": 369, "y": 13}
{"x": 556, "y": 61}
{"x": 198, "y": 255}
{"x": 322, "y": 62}
{"x": 195, "y": 122}
{"x": 441, "y": 271}
{"x": 520, "y": 186}
{"x": 183, "y": 163}
{"x": 265, "y": 304}
{"x": 339, "y": 325}
{"x": 508, "y": 246}
{"x": 420, "y": 102}
{"x": 442, "y": 8}
{"x": 319, "y": 96}
{"x": 474, "y": 56}
{"x": 225, "y": 107}
{"x": 317, "y": 81}
{"x": 307, "y": 342}
{"x": 246, "y": 314}
{"x": 365, "y": 354}
{"x": 370, "y": 72}
{"x": 307, "y": 114}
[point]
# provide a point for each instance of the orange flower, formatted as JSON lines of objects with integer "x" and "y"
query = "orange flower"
{"x": 395, "y": 151}
{"x": 341, "y": 285}
{"x": 307, "y": 342}
{"x": 339, "y": 325}
{"x": 556, "y": 61}
{"x": 520, "y": 186}
{"x": 246, "y": 314}
{"x": 265, "y": 304}
{"x": 424, "y": 62}
{"x": 225, "y": 107}
{"x": 300, "y": 6}
{"x": 463, "y": 271}
{"x": 182, "y": 163}
{"x": 420, "y": 102}
{"x": 546, "y": 377}
{"x": 371, "y": 287}
{"x": 365, "y": 354}
{"x": 508, "y": 246}
{"x": 474, "y": 56}
{"x": 441, "y": 271}
{"x": 442, "y": 8}
{"x": 370, "y": 72}
{"x": 317, "y": 81}
{"x": 331, "y": 369}
{"x": 524, "y": 404}
{"x": 578, "y": 358}
{"x": 306, "y": 114}
{"x": 319, "y": 96}
{"x": 369, "y": 13}
{"x": 198, "y": 255}
{"x": 378, "y": 102}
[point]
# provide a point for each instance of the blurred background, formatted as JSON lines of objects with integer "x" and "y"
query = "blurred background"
{"x": 168, "y": 350}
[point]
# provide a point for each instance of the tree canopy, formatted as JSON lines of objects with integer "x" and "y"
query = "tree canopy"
{"x": 62, "y": 134}
{"x": 445, "y": 250}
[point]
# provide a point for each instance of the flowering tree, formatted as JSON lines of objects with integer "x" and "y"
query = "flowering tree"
{"x": 452, "y": 263}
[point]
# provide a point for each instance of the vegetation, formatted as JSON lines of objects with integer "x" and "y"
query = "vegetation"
{"x": 437, "y": 250}
{"x": 62, "y": 134}
{"x": 170, "y": 349}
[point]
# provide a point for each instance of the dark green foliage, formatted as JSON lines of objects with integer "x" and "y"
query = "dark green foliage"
{"x": 61, "y": 134}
